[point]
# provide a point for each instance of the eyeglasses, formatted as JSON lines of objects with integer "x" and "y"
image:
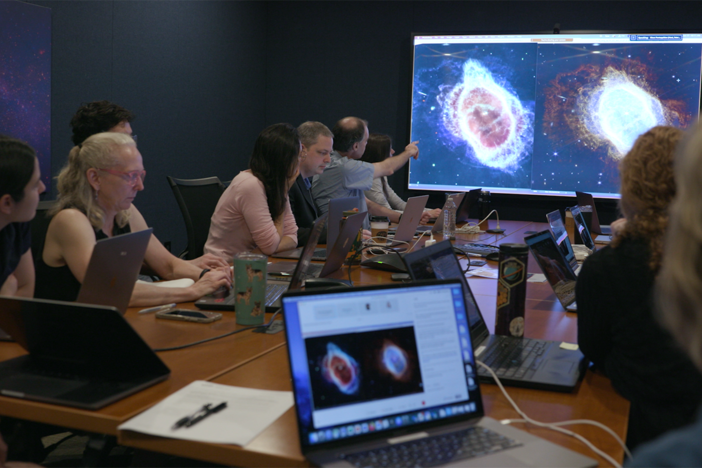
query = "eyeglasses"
{"x": 131, "y": 177}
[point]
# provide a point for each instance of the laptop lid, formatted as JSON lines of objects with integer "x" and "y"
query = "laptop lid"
{"x": 113, "y": 270}
{"x": 374, "y": 362}
{"x": 410, "y": 219}
{"x": 105, "y": 357}
{"x": 337, "y": 206}
{"x": 558, "y": 272}
{"x": 463, "y": 214}
{"x": 439, "y": 261}
{"x": 582, "y": 228}
{"x": 557, "y": 227}
{"x": 457, "y": 199}
{"x": 342, "y": 245}
{"x": 586, "y": 199}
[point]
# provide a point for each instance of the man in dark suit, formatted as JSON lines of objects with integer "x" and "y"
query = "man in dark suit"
{"x": 317, "y": 141}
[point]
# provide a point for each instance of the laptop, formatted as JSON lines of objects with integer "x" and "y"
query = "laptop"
{"x": 582, "y": 228}
{"x": 80, "y": 355}
{"x": 386, "y": 371}
{"x": 557, "y": 227}
{"x": 337, "y": 206}
{"x": 226, "y": 299}
{"x": 470, "y": 200}
{"x": 558, "y": 272}
{"x": 586, "y": 199}
{"x": 409, "y": 221}
{"x": 113, "y": 270}
{"x": 519, "y": 362}
{"x": 438, "y": 225}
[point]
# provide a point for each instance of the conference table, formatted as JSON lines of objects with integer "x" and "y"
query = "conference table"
{"x": 259, "y": 360}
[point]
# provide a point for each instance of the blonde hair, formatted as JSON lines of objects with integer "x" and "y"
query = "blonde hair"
{"x": 680, "y": 283}
{"x": 74, "y": 189}
{"x": 648, "y": 188}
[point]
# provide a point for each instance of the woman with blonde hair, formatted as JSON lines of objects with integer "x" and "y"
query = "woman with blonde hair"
{"x": 617, "y": 329}
{"x": 96, "y": 190}
{"x": 679, "y": 300}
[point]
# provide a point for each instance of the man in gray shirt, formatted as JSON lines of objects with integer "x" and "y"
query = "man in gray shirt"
{"x": 346, "y": 176}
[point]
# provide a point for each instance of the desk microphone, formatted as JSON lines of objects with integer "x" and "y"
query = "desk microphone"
{"x": 496, "y": 229}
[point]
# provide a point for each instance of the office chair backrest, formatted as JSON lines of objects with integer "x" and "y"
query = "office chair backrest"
{"x": 39, "y": 226}
{"x": 197, "y": 199}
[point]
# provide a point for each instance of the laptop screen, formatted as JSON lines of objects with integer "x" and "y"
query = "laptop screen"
{"x": 555, "y": 222}
{"x": 582, "y": 227}
{"x": 558, "y": 273}
{"x": 379, "y": 359}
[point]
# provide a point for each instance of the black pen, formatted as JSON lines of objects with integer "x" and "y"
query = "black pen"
{"x": 199, "y": 415}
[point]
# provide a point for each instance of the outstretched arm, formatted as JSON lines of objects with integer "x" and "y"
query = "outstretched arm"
{"x": 391, "y": 165}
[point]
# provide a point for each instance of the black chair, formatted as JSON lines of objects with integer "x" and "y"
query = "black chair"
{"x": 197, "y": 199}
{"x": 39, "y": 226}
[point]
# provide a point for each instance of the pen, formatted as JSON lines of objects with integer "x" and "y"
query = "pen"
{"x": 157, "y": 308}
{"x": 199, "y": 415}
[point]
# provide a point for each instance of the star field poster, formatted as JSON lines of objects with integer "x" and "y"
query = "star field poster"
{"x": 541, "y": 117}
{"x": 25, "y": 78}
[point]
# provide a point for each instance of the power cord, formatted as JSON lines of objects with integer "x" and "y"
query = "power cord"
{"x": 474, "y": 228}
{"x": 173, "y": 348}
{"x": 556, "y": 426}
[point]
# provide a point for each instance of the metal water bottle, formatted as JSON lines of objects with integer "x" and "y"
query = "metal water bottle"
{"x": 511, "y": 290}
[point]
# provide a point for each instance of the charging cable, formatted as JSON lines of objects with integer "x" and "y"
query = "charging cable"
{"x": 556, "y": 425}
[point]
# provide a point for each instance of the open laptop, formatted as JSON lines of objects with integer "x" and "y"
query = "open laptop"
{"x": 409, "y": 221}
{"x": 582, "y": 228}
{"x": 520, "y": 362}
{"x": 389, "y": 372}
{"x": 438, "y": 225}
{"x": 557, "y": 227}
{"x": 337, "y": 206}
{"x": 113, "y": 270}
{"x": 80, "y": 355}
{"x": 470, "y": 200}
{"x": 604, "y": 232}
{"x": 558, "y": 272}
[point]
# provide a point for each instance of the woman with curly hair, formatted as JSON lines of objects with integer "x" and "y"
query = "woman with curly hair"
{"x": 617, "y": 329}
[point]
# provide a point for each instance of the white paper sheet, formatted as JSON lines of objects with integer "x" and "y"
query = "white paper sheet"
{"x": 248, "y": 413}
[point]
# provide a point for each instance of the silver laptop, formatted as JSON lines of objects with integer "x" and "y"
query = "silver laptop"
{"x": 558, "y": 272}
{"x": 337, "y": 206}
{"x": 409, "y": 221}
{"x": 113, "y": 270}
{"x": 520, "y": 362}
{"x": 386, "y": 376}
{"x": 438, "y": 225}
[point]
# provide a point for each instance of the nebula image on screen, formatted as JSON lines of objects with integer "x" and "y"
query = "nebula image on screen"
{"x": 598, "y": 99}
{"x": 473, "y": 114}
{"x": 361, "y": 367}
{"x": 25, "y": 78}
{"x": 341, "y": 370}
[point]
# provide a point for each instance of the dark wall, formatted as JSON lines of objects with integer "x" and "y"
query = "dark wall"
{"x": 192, "y": 72}
{"x": 334, "y": 59}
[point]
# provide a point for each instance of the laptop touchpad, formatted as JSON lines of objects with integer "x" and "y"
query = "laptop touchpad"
{"x": 38, "y": 385}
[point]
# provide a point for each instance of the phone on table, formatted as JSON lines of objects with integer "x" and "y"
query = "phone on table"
{"x": 189, "y": 315}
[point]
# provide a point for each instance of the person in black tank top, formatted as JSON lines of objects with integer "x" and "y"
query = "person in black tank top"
{"x": 96, "y": 190}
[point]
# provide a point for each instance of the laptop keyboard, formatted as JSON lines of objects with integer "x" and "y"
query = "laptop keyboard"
{"x": 434, "y": 451}
{"x": 513, "y": 358}
{"x": 480, "y": 249}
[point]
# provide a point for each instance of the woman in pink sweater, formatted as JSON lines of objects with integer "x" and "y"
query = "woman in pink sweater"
{"x": 254, "y": 212}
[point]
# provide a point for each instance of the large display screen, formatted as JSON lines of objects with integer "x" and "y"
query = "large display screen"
{"x": 544, "y": 114}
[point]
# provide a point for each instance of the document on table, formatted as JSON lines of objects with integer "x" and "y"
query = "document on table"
{"x": 248, "y": 413}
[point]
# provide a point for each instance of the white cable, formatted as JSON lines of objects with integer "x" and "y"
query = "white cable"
{"x": 555, "y": 426}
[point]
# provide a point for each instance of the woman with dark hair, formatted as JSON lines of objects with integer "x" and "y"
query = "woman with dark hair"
{"x": 617, "y": 329}
{"x": 378, "y": 149}
{"x": 254, "y": 212}
{"x": 20, "y": 187}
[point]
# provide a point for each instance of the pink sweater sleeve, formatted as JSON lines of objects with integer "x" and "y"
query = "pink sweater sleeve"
{"x": 290, "y": 226}
{"x": 255, "y": 211}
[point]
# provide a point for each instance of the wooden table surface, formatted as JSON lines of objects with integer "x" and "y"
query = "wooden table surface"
{"x": 260, "y": 361}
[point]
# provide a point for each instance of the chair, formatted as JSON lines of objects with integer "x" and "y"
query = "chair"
{"x": 39, "y": 226}
{"x": 197, "y": 199}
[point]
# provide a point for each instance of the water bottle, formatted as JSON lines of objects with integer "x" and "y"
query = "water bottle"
{"x": 450, "y": 219}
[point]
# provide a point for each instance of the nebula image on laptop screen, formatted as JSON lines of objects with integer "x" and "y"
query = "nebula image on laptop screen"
{"x": 362, "y": 367}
